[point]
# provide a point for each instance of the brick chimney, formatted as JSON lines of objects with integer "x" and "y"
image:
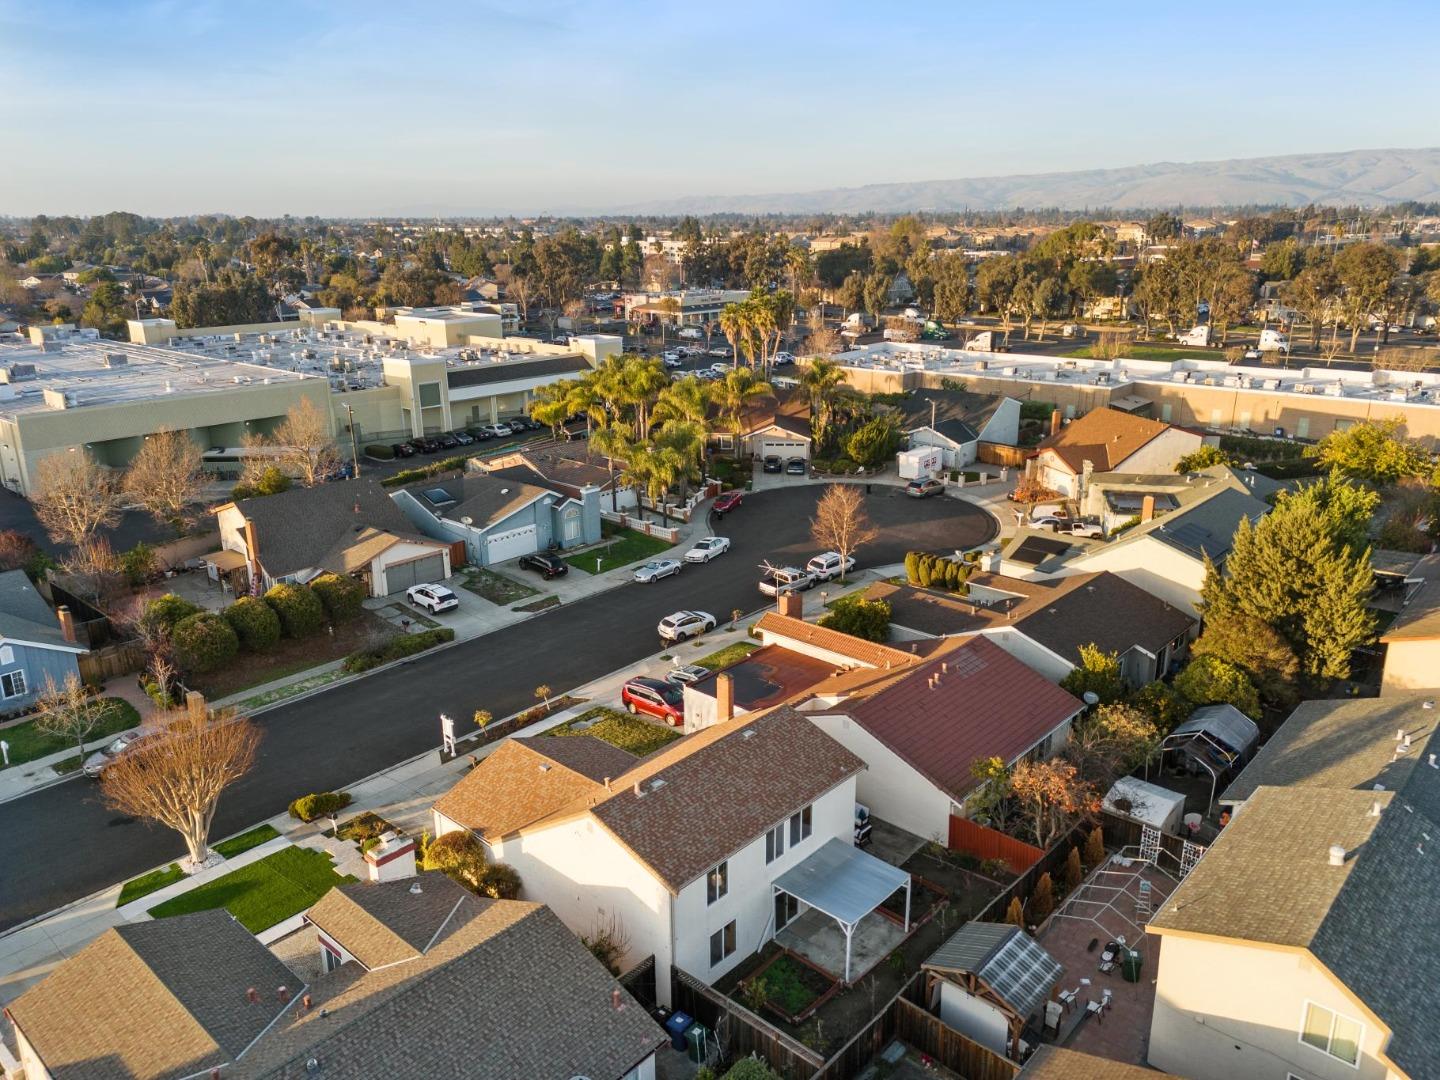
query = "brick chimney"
{"x": 1054, "y": 421}
{"x": 67, "y": 622}
{"x": 791, "y": 604}
{"x": 1147, "y": 508}
{"x": 724, "y": 698}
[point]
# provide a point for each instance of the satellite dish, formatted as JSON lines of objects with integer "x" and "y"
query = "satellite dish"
{"x": 1090, "y": 697}
{"x": 467, "y": 521}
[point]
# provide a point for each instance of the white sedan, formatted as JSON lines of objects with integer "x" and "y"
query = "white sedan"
{"x": 707, "y": 548}
{"x": 436, "y": 598}
{"x": 685, "y": 624}
{"x": 659, "y": 568}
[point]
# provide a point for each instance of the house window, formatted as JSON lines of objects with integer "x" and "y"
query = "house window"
{"x": 800, "y": 826}
{"x": 722, "y": 943}
{"x": 717, "y": 883}
{"x": 332, "y": 961}
{"x": 572, "y": 525}
{"x": 12, "y": 683}
{"x": 1336, "y": 1035}
{"x": 774, "y": 843}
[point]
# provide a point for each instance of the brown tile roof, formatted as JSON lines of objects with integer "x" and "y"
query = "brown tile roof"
{"x": 518, "y": 784}
{"x": 1055, "y": 1063}
{"x": 1105, "y": 437}
{"x": 789, "y": 410}
{"x": 154, "y": 1000}
{"x": 1419, "y": 619}
{"x": 983, "y": 703}
{"x": 586, "y": 755}
{"x": 862, "y": 652}
{"x": 387, "y": 923}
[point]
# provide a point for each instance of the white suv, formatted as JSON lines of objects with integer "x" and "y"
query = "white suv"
{"x": 685, "y": 624}
{"x": 435, "y": 597}
{"x": 828, "y": 565}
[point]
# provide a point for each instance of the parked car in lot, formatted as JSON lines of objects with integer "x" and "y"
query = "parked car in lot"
{"x": 673, "y": 359}
{"x": 479, "y": 434}
{"x": 772, "y": 463}
{"x": 97, "y": 762}
{"x": 657, "y": 569}
{"x": 720, "y": 369}
{"x": 426, "y": 445}
{"x": 655, "y": 697}
{"x": 684, "y": 674}
{"x": 499, "y": 431}
{"x": 546, "y": 565}
{"x": 462, "y": 438}
{"x": 785, "y": 579}
{"x": 827, "y": 565}
{"x": 690, "y": 333}
{"x": 403, "y": 449}
{"x": 796, "y": 466}
{"x": 685, "y": 624}
{"x": 707, "y": 547}
{"x": 782, "y": 359}
{"x": 436, "y": 598}
{"x": 730, "y": 500}
{"x": 447, "y": 441}
{"x": 718, "y": 350}
{"x": 924, "y": 487}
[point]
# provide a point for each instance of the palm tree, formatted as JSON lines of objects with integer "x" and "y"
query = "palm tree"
{"x": 584, "y": 396}
{"x": 686, "y": 399}
{"x": 552, "y": 404}
{"x": 614, "y": 443}
{"x": 739, "y": 386}
{"x": 641, "y": 383}
{"x": 820, "y": 380}
{"x": 735, "y": 325}
{"x": 687, "y": 439}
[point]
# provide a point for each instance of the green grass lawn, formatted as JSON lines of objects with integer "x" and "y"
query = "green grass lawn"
{"x": 145, "y": 884}
{"x": 245, "y": 841}
{"x": 28, "y": 742}
{"x": 1155, "y": 352}
{"x": 626, "y": 546}
{"x": 639, "y": 737}
{"x": 263, "y": 893}
{"x": 731, "y": 654}
{"x": 497, "y": 588}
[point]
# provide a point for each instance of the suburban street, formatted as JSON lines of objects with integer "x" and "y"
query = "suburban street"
{"x": 61, "y": 843}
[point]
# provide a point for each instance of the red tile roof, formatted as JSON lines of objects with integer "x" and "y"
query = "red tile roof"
{"x": 857, "y": 649}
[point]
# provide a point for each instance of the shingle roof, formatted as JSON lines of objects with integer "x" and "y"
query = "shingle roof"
{"x": 1419, "y": 619}
{"x": 386, "y": 923}
{"x": 154, "y": 1000}
{"x": 24, "y": 614}
{"x": 857, "y": 649}
{"x": 1056, "y": 1063}
{"x": 1015, "y": 967}
{"x": 959, "y": 414}
{"x": 1370, "y": 921}
{"x": 516, "y": 785}
{"x": 456, "y": 378}
{"x": 983, "y": 703}
{"x": 1105, "y": 437}
{"x": 507, "y": 991}
{"x": 483, "y": 498}
{"x": 1208, "y": 527}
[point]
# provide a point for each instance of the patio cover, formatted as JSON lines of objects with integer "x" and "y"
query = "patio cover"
{"x": 225, "y": 560}
{"x": 845, "y": 883}
{"x": 1224, "y": 722}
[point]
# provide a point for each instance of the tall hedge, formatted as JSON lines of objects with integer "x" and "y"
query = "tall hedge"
{"x": 203, "y": 642}
{"x": 342, "y": 596}
{"x": 168, "y": 610}
{"x": 300, "y": 611}
{"x": 255, "y": 623}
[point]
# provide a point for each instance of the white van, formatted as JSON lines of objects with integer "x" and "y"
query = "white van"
{"x": 691, "y": 333}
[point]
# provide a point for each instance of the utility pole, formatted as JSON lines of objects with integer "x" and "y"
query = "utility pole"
{"x": 354, "y": 445}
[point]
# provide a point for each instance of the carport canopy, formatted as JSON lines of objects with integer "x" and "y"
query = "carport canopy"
{"x": 845, "y": 883}
{"x": 225, "y": 561}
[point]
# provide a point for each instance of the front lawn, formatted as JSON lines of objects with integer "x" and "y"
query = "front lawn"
{"x": 145, "y": 884}
{"x": 731, "y": 654}
{"x": 625, "y": 546}
{"x": 263, "y": 893}
{"x": 497, "y": 588}
{"x": 294, "y": 655}
{"x": 28, "y": 742}
{"x": 245, "y": 841}
{"x": 630, "y": 733}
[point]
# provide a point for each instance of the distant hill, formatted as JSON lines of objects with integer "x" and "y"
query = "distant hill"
{"x": 1365, "y": 177}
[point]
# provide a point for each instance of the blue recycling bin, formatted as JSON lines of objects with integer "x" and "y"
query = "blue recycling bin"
{"x": 678, "y": 1024}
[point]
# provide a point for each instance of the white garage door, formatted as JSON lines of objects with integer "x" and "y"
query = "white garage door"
{"x": 511, "y": 545}
{"x": 784, "y": 448}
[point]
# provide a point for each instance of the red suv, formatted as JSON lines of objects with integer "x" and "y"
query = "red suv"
{"x": 729, "y": 501}
{"x": 653, "y": 697}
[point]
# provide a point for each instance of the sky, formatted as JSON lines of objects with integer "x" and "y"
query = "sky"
{"x": 359, "y": 108}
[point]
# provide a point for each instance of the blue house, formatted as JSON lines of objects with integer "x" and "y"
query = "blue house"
{"x": 35, "y": 648}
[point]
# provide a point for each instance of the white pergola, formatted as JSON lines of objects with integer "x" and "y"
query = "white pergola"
{"x": 845, "y": 883}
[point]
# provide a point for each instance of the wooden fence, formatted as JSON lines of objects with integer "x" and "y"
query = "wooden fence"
{"x": 981, "y": 841}
{"x": 740, "y": 1032}
{"x": 998, "y": 454}
{"x": 1050, "y": 862}
{"x": 930, "y": 1035}
{"x": 640, "y": 981}
{"x": 110, "y": 662}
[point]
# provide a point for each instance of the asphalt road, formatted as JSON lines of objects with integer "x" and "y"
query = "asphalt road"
{"x": 61, "y": 843}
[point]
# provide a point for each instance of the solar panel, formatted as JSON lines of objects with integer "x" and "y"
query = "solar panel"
{"x": 1036, "y": 549}
{"x": 1021, "y": 973}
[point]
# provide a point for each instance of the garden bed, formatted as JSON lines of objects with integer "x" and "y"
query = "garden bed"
{"x": 365, "y": 826}
{"x": 625, "y": 546}
{"x": 793, "y": 987}
{"x": 293, "y": 656}
{"x": 926, "y": 898}
{"x": 265, "y": 892}
{"x": 497, "y": 588}
{"x": 28, "y": 742}
{"x": 501, "y": 729}
{"x": 619, "y": 729}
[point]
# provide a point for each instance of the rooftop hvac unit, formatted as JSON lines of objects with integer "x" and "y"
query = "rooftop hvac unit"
{"x": 115, "y": 360}
{"x": 16, "y": 373}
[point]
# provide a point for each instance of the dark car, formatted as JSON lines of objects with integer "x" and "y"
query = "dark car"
{"x": 795, "y": 466}
{"x": 427, "y": 445}
{"x": 462, "y": 437}
{"x": 403, "y": 449}
{"x": 447, "y": 442}
{"x": 546, "y": 565}
{"x": 771, "y": 463}
{"x": 655, "y": 697}
{"x": 923, "y": 489}
{"x": 731, "y": 500}
{"x": 479, "y": 434}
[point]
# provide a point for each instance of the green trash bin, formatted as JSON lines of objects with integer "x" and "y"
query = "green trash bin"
{"x": 1130, "y": 963}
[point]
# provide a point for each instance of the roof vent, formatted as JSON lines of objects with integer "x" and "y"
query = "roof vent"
{"x": 252, "y": 995}
{"x": 1337, "y": 854}
{"x": 312, "y": 1066}
{"x": 544, "y": 768}
{"x": 1375, "y": 808}
{"x": 1431, "y": 762}
{"x": 415, "y": 889}
{"x": 748, "y": 733}
{"x": 283, "y": 993}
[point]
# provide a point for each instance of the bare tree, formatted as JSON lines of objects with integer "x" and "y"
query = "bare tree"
{"x": 69, "y": 711}
{"x": 840, "y": 522}
{"x": 823, "y": 341}
{"x": 92, "y": 566}
{"x": 75, "y": 497}
{"x": 165, "y": 476}
{"x": 306, "y": 438}
{"x": 177, "y": 777}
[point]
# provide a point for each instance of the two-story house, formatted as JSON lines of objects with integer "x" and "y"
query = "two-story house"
{"x": 37, "y": 646}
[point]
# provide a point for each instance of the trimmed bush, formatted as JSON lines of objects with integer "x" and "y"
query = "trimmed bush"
{"x": 460, "y": 856}
{"x": 320, "y": 804}
{"x": 300, "y": 611}
{"x": 861, "y": 618}
{"x": 381, "y": 451}
{"x": 396, "y": 649}
{"x": 912, "y": 567}
{"x": 255, "y": 623}
{"x": 168, "y": 610}
{"x": 409, "y": 476}
{"x": 271, "y": 482}
{"x": 203, "y": 642}
{"x": 341, "y": 596}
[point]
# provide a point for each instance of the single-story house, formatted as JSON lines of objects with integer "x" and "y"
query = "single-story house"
{"x": 37, "y": 645}
{"x": 776, "y": 424}
{"x": 958, "y": 421}
{"x": 349, "y": 527}
{"x": 1109, "y": 440}
{"x": 499, "y": 518}
{"x": 567, "y": 469}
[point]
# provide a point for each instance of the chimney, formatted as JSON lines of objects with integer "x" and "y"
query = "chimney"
{"x": 1147, "y": 508}
{"x": 1337, "y": 854}
{"x": 392, "y": 859}
{"x": 252, "y": 547}
{"x": 67, "y": 622}
{"x": 1054, "y": 421}
{"x": 724, "y": 698}
{"x": 792, "y": 605}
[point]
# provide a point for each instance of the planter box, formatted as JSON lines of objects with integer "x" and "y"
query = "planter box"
{"x": 805, "y": 965}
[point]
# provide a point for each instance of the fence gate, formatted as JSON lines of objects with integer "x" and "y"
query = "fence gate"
{"x": 1150, "y": 844}
{"x": 1189, "y": 856}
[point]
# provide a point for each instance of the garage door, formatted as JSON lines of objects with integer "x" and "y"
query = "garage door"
{"x": 511, "y": 545}
{"x": 421, "y": 571}
{"x": 784, "y": 448}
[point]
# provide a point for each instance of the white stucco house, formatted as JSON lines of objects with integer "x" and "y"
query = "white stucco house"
{"x": 1109, "y": 440}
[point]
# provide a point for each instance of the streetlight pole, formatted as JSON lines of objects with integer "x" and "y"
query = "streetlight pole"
{"x": 354, "y": 446}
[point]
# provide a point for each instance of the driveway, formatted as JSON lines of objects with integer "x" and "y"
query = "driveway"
{"x": 60, "y": 844}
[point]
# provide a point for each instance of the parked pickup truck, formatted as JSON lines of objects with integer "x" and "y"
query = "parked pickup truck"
{"x": 826, "y": 565}
{"x": 785, "y": 579}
